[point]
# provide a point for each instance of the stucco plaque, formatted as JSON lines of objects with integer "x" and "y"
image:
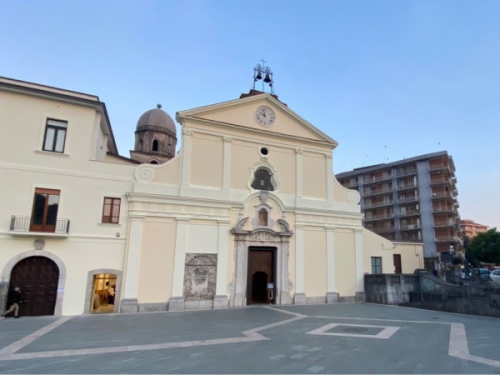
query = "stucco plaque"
{"x": 200, "y": 276}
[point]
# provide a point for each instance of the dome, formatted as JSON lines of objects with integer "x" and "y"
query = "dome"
{"x": 157, "y": 118}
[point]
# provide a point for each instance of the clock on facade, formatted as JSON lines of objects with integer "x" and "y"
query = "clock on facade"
{"x": 265, "y": 115}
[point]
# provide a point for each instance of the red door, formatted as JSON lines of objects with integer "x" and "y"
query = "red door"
{"x": 38, "y": 278}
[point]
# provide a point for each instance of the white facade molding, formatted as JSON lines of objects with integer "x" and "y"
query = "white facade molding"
{"x": 299, "y": 259}
{"x": 298, "y": 173}
{"x": 329, "y": 177}
{"x": 330, "y": 260}
{"x": 358, "y": 250}
{"x": 133, "y": 257}
{"x": 180, "y": 257}
{"x": 186, "y": 156}
{"x": 222, "y": 263}
{"x": 226, "y": 166}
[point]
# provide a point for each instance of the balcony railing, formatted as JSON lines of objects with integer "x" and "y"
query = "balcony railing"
{"x": 443, "y": 195}
{"x": 383, "y": 229}
{"x": 406, "y": 172}
{"x": 410, "y": 227}
{"x": 379, "y": 217}
{"x": 448, "y": 224}
{"x": 439, "y": 181}
{"x": 443, "y": 210}
{"x": 378, "y": 204}
{"x": 375, "y": 192}
{"x": 408, "y": 199}
{"x": 407, "y": 186}
{"x": 447, "y": 239}
{"x": 410, "y": 213}
{"x": 23, "y": 224}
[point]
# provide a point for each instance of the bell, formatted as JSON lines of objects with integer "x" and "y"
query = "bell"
{"x": 259, "y": 76}
{"x": 267, "y": 79}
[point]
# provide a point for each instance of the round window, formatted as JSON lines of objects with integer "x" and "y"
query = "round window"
{"x": 264, "y": 151}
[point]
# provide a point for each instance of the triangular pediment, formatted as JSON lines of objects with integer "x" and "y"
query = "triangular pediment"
{"x": 241, "y": 112}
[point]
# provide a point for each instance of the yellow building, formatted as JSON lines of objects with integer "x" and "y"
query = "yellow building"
{"x": 248, "y": 210}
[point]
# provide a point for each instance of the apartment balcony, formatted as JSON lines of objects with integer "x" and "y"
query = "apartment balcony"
{"x": 383, "y": 230}
{"x": 379, "y": 217}
{"x": 378, "y": 192}
{"x": 449, "y": 224}
{"x": 443, "y": 195}
{"x": 22, "y": 226}
{"x": 371, "y": 180}
{"x": 440, "y": 181}
{"x": 405, "y": 172}
{"x": 378, "y": 204}
{"x": 407, "y": 187}
{"x": 410, "y": 213}
{"x": 404, "y": 200}
{"x": 449, "y": 238}
{"x": 411, "y": 227}
{"x": 444, "y": 210}
{"x": 440, "y": 167}
{"x": 405, "y": 239}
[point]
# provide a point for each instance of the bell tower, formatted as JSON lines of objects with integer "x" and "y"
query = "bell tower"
{"x": 155, "y": 137}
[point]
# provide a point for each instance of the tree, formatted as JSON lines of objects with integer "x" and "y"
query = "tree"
{"x": 485, "y": 247}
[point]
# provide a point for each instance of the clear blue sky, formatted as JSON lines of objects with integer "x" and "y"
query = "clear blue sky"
{"x": 386, "y": 79}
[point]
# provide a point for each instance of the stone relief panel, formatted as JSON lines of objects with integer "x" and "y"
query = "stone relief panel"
{"x": 200, "y": 275}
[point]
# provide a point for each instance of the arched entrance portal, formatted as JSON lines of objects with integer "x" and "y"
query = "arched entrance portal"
{"x": 38, "y": 278}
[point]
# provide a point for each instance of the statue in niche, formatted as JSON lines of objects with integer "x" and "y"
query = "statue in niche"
{"x": 263, "y": 218}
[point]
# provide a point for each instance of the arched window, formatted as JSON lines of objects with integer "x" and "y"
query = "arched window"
{"x": 155, "y": 145}
{"x": 262, "y": 180}
{"x": 153, "y": 162}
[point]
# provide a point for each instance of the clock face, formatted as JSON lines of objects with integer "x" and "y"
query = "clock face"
{"x": 265, "y": 115}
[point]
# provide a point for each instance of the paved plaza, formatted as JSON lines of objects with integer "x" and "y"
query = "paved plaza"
{"x": 314, "y": 339}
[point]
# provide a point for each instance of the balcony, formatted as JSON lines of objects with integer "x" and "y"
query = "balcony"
{"x": 440, "y": 181}
{"x": 449, "y": 224}
{"x": 379, "y": 217}
{"x": 439, "y": 167}
{"x": 449, "y": 238}
{"x": 411, "y": 227}
{"x": 443, "y": 195}
{"x": 403, "y": 200}
{"x": 410, "y": 213}
{"x": 21, "y": 225}
{"x": 407, "y": 239}
{"x": 407, "y": 186}
{"x": 376, "y": 192}
{"x": 407, "y": 172}
{"x": 442, "y": 210}
{"x": 378, "y": 204}
{"x": 383, "y": 229}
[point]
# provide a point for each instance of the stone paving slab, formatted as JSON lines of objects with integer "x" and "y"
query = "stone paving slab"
{"x": 15, "y": 329}
{"x": 141, "y": 329}
{"x": 270, "y": 341}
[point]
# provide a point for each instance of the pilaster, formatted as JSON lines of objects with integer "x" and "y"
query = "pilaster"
{"x": 226, "y": 169}
{"x": 299, "y": 297}
{"x": 358, "y": 248}
{"x": 129, "y": 302}
{"x": 176, "y": 302}
{"x": 186, "y": 156}
{"x": 331, "y": 295}
{"x": 298, "y": 172}
{"x": 220, "y": 300}
{"x": 329, "y": 178}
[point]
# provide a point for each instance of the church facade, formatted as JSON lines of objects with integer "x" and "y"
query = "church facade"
{"x": 248, "y": 211}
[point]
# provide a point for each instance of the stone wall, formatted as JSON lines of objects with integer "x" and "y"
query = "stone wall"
{"x": 200, "y": 277}
{"x": 470, "y": 305}
{"x": 390, "y": 289}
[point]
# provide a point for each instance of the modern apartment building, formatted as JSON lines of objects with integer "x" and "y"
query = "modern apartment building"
{"x": 412, "y": 200}
{"x": 470, "y": 229}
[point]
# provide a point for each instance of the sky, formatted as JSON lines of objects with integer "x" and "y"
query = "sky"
{"x": 387, "y": 80}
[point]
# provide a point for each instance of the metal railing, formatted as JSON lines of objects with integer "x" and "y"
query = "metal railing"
{"x": 23, "y": 224}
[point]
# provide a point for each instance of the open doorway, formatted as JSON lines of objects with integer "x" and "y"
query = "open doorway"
{"x": 261, "y": 273}
{"x": 103, "y": 293}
